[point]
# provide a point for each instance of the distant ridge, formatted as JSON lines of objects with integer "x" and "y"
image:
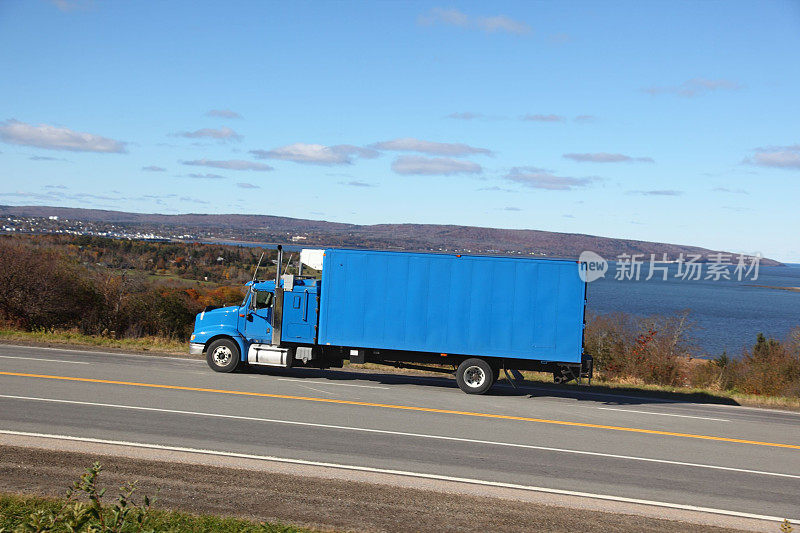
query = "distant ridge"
{"x": 267, "y": 228}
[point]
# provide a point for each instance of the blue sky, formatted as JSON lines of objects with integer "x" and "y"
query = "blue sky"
{"x": 663, "y": 121}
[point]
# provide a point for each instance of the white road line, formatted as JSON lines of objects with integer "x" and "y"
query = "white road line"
{"x": 307, "y": 381}
{"x": 98, "y": 352}
{"x": 406, "y": 434}
{"x": 47, "y": 360}
{"x": 320, "y": 390}
{"x": 662, "y": 414}
{"x": 606, "y": 497}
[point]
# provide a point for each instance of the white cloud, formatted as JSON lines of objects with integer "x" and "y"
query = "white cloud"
{"x": 233, "y": 164}
{"x": 543, "y": 118}
{"x": 317, "y": 154}
{"x": 777, "y": 157}
{"x": 466, "y": 115}
{"x": 192, "y": 200}
{"x": 45, "y": 158}
{"x": 409, "y": 144}
{"x": 71, "y": 5}
{"x": 206, "y": 176}
{"x": 454, "y": 17}
{"x": 662, "y": 192}
{"x": 731, "y": 191}
{"x": 502, "y": 23}
{"x": 604, "y": 157}
{"x": 451, "y": 17}
{"x": 695, "y": 87}
{"x": 414, "y": 164}
{"x": 223, "y": 113}
{"x": 585, "y": 118}
{"x": 153, "y": 168}
{"x": 56, "y": 138}
{"x": 222, "y": 134}
{"x": 539, "y": 178}
{"x": 243, "y": 185}
{"x": 495, "y": 188}
{"x": 356, "y": 183}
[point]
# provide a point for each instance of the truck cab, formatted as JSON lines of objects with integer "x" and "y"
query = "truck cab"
{"x": 269, "y": 327}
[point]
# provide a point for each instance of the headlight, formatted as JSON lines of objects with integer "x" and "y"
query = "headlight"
{"x": 192, "y": 337}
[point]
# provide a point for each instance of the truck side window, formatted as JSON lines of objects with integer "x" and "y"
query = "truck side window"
{"x": 263, "y": 299}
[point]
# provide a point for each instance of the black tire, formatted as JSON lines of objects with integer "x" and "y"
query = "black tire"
{"x": 222, "y": 355}
{"x": 475, "y": 376}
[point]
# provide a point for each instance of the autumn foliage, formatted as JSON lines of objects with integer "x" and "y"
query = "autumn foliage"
{"x": 659, "y": 350}
{"x": 44, "y": 288}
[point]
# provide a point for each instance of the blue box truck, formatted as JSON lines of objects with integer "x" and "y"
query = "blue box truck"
{"x": 479, "y": 315}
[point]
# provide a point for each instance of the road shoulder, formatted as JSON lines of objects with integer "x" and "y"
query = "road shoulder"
{"x": 330, "y": 498}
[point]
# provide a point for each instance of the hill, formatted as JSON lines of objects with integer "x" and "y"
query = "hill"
{"x": 428, "y": 237}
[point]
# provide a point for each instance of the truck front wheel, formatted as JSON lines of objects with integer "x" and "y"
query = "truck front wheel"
{"x": 475, "y": 376}
{"x": 222, "y": 355}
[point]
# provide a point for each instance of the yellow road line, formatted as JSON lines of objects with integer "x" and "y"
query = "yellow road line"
{"x": 408, "y": 408}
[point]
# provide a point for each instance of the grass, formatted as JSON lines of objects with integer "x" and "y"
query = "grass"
{"x": 141, "y": 344}
{"x": 16, "y": 511}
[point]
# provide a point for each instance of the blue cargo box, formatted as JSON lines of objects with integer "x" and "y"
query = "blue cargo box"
{"x": 454, "y": 304}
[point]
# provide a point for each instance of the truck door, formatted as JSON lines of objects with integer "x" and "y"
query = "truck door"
{"x": 258, "y": 319}
{"x": 299, "y": 316}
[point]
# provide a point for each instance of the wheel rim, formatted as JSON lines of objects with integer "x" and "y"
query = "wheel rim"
{"x": 474, "y": 376}
{"x": 222, "y": 355}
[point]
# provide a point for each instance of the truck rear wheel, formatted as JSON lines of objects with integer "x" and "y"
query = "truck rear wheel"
{"x": 222, "y": 355}
{"x": 475, "y": 376}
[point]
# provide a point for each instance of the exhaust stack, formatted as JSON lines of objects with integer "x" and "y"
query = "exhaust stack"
{"x": 277, "y": 305}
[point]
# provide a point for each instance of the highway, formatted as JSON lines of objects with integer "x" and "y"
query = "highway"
{"x": 729, "y": 460}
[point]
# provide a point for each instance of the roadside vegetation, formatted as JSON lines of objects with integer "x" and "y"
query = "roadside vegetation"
{"x": 658, "y": 351}
{"x": 84, "y": 509}
{"x": 117, "y": 289}
{"x": 144, "y": 296}
{"x": 73, "y": 337}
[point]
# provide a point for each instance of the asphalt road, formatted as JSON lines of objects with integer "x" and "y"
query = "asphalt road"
{"x": 726, "y": 458}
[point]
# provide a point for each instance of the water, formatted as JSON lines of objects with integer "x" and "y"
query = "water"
{"x": 266, "y": 246}
{"x": 729, "y": 314}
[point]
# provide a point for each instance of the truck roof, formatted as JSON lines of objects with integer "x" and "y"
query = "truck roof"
{"x": 456, "y": 254}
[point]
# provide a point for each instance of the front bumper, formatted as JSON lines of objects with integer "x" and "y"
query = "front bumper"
{"x": 196, "y": 348}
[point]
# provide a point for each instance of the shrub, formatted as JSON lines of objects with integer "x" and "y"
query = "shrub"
{"x": 41, "y": 290}
{"x": 646, "y": 349}
{"x": 73, "y": 515}
{"x": 771, "y": 367}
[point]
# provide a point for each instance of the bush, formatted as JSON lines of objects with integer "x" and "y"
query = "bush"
{"x": 771, "y": 367}
{"x": 41, "y": 289}
{"x": 659, "y": 350}
{"x": 73, "y": 515}
{"x": 645, "y": 349}
{"x": 125, "y": 515}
